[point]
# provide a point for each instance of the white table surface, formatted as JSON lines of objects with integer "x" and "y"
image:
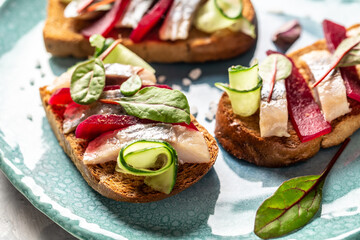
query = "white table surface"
{"x": 20, "y": 220}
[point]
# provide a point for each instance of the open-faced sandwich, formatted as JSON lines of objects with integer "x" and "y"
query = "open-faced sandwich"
{"x": 132, "y": 139}
{"x": 157, "y": 31}
{"x": 308, "y": 100}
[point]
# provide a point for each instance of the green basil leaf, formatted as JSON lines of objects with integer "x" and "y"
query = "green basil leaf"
{"x": 291, "y": 207}
{"x": 283, "y": 67}
{"x": 100, "y": 44}
{"x": 131, "y": 86}
{"x": 88, "y": 82}
{"x": 158, "y": 104}
{"x": 352, "y": 57}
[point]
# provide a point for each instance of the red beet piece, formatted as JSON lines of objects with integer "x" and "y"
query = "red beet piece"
{"x": 111, "y": 87}
{"x": 305, "y": 114}
{"x": 157, "y": 85}
{"x": 334, "y": 34}
{"x": 95, "y": 125}
{"x": 107, "y": 22}
{"x": 61, "y": 97}
{"x": 150, "y": 20}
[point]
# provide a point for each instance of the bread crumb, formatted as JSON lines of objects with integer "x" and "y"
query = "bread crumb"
{"x": 195, "y": 73}
{"x": 162, "y": 79}
{"x": 194, "y": 110}
{"x": 209, "y": 116}
{"x": 213, "y": 107}
{"x": 176, "y": 87}
{"x": 186, "y": 82}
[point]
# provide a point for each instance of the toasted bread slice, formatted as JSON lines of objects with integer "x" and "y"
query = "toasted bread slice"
{"x": 241, "y": 135}
{"x": 62, "y": 38}
{"x": 119, "y": 186}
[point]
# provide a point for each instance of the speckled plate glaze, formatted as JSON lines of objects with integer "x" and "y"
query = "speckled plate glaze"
{"x": 221, "y": 205}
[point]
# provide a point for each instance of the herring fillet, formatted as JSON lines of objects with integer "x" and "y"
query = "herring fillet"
{"x": 178, "y": 20}
{"x": 134, "y": 12}
{"x": 189, "y": 144}
{"x": 273, "y": 114}
{"x": 331, "y": 91}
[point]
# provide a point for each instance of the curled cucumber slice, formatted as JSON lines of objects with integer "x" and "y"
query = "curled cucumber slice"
{"x": 156, "y": 160}
{"x": 244, "y": 90}
{"x": 215, "y": 15}
{"x": 231, "y": 9}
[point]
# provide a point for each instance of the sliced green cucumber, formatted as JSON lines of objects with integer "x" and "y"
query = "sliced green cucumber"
{"x": 243, "y": 78}
{"x": 121, "y": 54}
{"x": 231, "y": 9}
{"x": 244, "y": 103}
{"x": 164, "y": 182}
{"x": 156, "y": 160}
{"x": 215, "y": 15}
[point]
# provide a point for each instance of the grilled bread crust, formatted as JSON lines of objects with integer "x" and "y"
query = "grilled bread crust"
{"x": 240, "y": 136}
{"x": 119, "y": 186}
{"x": 62, "y": 38}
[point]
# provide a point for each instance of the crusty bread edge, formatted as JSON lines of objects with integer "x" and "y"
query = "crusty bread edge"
{"x": 71, "y": 149}
{"x": 62, "y": 38}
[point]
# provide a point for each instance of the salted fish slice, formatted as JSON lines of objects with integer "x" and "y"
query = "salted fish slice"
{"x": 178, "y": 20}
{"x": 190, "y": 145}
{"x": 134, "y": 12}
{"x": 331, "y": 91}
{"x": 273, "y": 114}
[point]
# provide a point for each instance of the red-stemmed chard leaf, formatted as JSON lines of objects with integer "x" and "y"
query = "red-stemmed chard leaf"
{"x": 334, "y": 34}
{"x": 61, "y": 97}
{"x": 150, "y": 20}
{"x": 343, "y": 56}
{"x": 273, "y": 78}
{"x": 305, "y": 114}
{"x": 294, "y": 204}
{"x": 158, "y": 104}
{"x": 107, "y": 22}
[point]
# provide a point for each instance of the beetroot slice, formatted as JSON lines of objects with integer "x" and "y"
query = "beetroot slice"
{"x": 157, "y": 85}
{"x": 334, "y": 34}
{"x": 305, "y": 114}
{"x": 150, "y": 20}
{"x": 95, "y": 125}
{"x": 61, "y": 97}
{"x": 107, "y": 22}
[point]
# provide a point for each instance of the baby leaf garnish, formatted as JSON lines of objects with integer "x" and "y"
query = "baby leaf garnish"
{"x": 87, "y": 82}
{"x": 109, "y": 49}
{"x": 274, "y": 67}
{"x": 294, "y": 203}
{"x": 100, "y": 43}
{"x": 158, "y": 104}
{"x": 131, "y": 86}
{"x": 346, "y": 54}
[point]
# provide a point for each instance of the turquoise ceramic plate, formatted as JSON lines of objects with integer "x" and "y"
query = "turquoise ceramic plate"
{"x": 222, "y": 204}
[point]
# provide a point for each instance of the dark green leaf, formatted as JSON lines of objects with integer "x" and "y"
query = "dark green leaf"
{"x": 294, "y": 203}
{"x": 131, "y": 86}
{"x": 87, "y": 82}
{"x": 291, "y": 207}
{"x": 348, "y": 58}
{"x": 100, "y": 44}
{"x": 158, "y": 104}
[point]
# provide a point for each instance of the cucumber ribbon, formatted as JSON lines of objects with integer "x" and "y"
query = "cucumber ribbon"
{"x": 244, "y": 89}
{"x": 156, "y": 160}
{"x": 215, "y": 15}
